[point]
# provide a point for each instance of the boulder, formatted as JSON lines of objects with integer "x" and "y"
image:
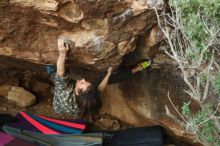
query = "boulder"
{"x": 4, "y": 89}
{"x": 109, "y": 124}
{"x": 21, "y": 97}
{"x": 103, "y": 31}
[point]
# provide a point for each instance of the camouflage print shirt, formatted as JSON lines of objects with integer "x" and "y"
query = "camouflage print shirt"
{"x": 64, "y": 100}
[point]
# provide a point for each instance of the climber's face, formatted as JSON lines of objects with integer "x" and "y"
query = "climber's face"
{"x": 82, "y": 85}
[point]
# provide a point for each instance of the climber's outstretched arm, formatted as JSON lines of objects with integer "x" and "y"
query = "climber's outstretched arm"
{"x": 104, "y": 82}
{"x": 62, "y": 57}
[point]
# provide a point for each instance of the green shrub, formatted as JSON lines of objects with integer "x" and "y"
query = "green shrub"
{"x": 198, "y": 21}
{"x": 217, "y": 84}
{"x": 196, "y": 16}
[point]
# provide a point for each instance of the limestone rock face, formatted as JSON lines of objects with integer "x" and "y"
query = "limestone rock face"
{"x": 143, "y": 100}
{"x": 21, "y": 97}
{"x": 109, "y": 124}
{"x": 103, "y": 31}
{"x": 46, "y": 5}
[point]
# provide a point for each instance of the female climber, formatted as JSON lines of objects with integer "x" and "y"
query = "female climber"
{"x": 80, "y": 97}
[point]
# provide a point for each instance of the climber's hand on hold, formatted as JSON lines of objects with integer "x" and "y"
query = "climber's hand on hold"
{"x": 103, "y": 84}
{"x": 62, "y": 46}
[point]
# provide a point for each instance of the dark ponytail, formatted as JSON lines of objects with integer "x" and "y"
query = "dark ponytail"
{"x": 89, "y": 103}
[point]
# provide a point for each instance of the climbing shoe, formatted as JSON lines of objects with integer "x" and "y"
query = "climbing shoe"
{"x": 146, "y": 63}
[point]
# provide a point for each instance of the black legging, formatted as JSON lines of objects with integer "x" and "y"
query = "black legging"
{"x": 116, "y": 77}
